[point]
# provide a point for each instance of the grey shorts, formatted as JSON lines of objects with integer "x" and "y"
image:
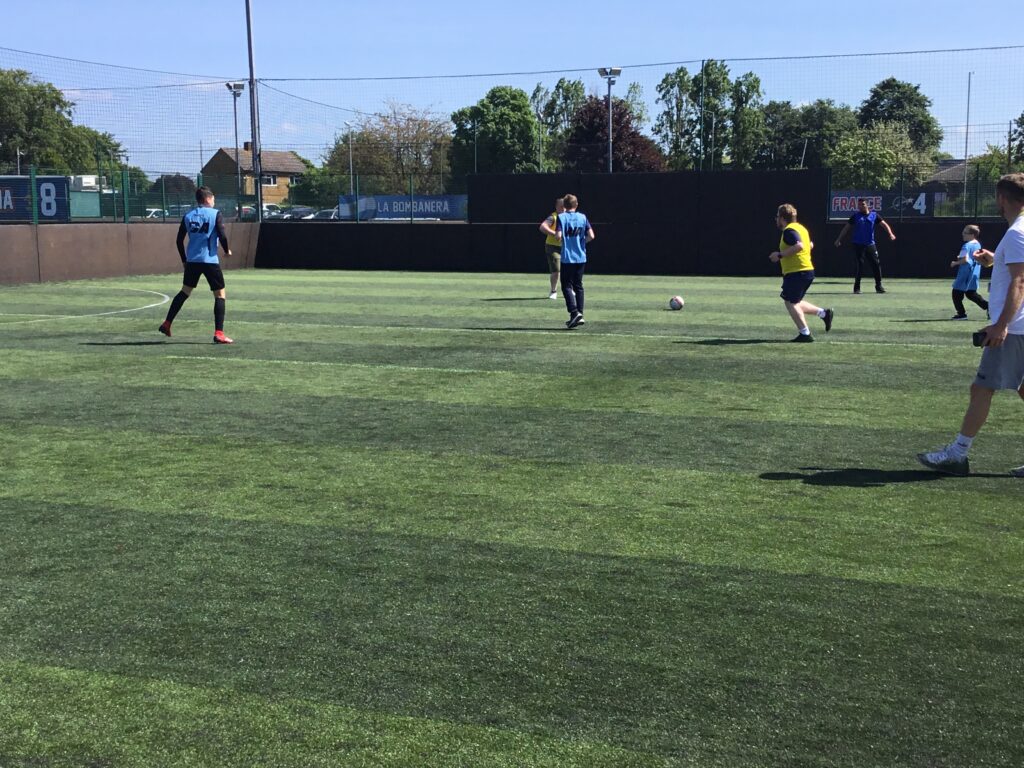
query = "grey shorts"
{"x": 1002, "y": 367}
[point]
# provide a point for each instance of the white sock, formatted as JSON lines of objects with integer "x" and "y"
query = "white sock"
{"x": 805, "y": 331}
{"x": 821, "y": 313}
{"x": 958, "y": 448}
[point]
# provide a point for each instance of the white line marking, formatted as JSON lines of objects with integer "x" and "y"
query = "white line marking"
{"x": 44, "y": 318}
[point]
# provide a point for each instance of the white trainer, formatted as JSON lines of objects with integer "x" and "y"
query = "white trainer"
{"x": 943, "y": 461}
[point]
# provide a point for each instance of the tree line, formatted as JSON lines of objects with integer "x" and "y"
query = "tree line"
{"x": 705, "y": 120}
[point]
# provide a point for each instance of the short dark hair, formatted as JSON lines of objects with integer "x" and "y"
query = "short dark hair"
{"x": 787, "y": 213}
{"x": 1012, "y": 186}
{"x": 570, "y": 202}
{"x": 203, "y": 194}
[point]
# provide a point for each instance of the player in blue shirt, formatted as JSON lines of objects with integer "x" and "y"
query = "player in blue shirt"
{"x": 863, "y": 224}
{"x": 205, "y": 227}
{"x": 574, "y": 230}
{"x": 968, "y": 273}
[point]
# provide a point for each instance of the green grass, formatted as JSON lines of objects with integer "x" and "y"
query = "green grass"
{"x": 407, "y": 520}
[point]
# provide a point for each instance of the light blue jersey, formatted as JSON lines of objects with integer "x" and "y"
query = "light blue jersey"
{"x": 201, "y": 225}
{"x": 574, "y": 226}
{"x": 968, "y": 275}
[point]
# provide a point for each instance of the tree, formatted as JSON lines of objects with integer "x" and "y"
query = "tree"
{"x": 747, "y": 121}
{"x": 319, "y": 188}
{"x": 1017, "y": 141}
{"x": 498, "y": 134}
{"x": 877, "y": 158}
{"x": 894, "y": 101}
{"x": 673, "y": 127}
{"x": 823, "y": 124}
{"x": 35, "y": 118}
{"x": 174, "y": 184}
{"x": 555, "y": 110}
{"x": 391, "y": 148}
{"x": 636, "y": 104}
{"x": 783, "y": 137}
{"x": 587, "y": 148}
{"x": 710, "y": 133}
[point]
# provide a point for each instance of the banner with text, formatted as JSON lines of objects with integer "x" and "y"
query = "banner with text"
{"x": 398, "y": 207}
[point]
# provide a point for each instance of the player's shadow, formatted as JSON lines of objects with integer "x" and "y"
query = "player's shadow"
{"x": 727, "y": 342}
{"x": 860, "y": 477}
{"x": 138, "y": 343}
{"x": 525, "y": 298}
{"x": 936, "y": 320}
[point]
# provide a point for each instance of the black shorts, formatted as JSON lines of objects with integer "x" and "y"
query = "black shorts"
{"x": 795, "y": 285}
{"x": 193, "y": 269}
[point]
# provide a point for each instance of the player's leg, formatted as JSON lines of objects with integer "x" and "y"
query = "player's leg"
{"x": 577, "y": 286}
{"x": 797, "y": 315}
{"x": 189, "y": 281}
{"x": 876, "y": 267}
{"x": 958, "y": 304}
{"x": 977, "y": 299}
{"x": 554, "y": 257}
{"x": 567, "y": 290}
{"x": 215, "y": 277}
{"x": 858, "y": 263}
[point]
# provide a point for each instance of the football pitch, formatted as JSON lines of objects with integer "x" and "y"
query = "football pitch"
{"x": 410, "y": 520}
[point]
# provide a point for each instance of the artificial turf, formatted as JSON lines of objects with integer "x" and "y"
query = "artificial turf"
{"x": 409, "y": 520}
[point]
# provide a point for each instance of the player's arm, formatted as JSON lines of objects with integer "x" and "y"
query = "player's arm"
{"x": 558, "y": 228}
{"x": 546, "y": 226}
{"x": 590, "y": 233}
{"x": 985, "y": 258}
{"x": 887, "y": 228}
{"x": 180, "y": 241}
{"x": 222, "y": 234}
{"x": 996, "y": 333}
{"x": 960, "y": 260}
{"x": 839, "y": 240}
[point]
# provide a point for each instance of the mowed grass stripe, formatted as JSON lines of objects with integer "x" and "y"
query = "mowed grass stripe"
{"x": 700, "y": 665}
{"x": 538, "y": 399}
{"x": 798, "y": 522}
{"x": 205, "y": 725}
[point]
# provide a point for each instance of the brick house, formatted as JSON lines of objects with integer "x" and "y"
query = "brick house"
{"x": 280, "y": 171}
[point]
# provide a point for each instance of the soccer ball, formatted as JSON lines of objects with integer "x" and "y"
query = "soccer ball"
{"x": 676, "y": 302}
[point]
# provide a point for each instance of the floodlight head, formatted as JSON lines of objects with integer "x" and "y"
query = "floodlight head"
{"x": 609, "y": 71}
{"x": 235, "y": 88}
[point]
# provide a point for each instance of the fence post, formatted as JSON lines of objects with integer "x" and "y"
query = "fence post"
{"x": 411, "y": 199}
{"x": 902, "y": 177}
{"x": 163, "y": 197}
{"x": 125, "y": 191}
{"x": 34, "y": 194}
{"x": 977, "y": 188}
{"x": 357, "y": 199}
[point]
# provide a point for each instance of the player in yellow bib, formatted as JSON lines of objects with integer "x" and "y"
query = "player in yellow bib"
{"x": 553, "y": 247}
{"x": 794, "y": 254}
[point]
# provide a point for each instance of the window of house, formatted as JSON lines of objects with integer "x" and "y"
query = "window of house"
{"x": 268, "y": 180}
{"x": 294, "y": 179}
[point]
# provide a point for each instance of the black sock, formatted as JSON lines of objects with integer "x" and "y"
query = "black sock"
{"x": 218, "y": 314}
{"x": 176, "y": 304}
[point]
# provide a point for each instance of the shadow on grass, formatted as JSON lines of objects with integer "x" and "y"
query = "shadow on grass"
{"x": 861, "y": 477}
{"x": 141, "y": 343}
{"x": 530, "y": 298}
{"x": 728, "y": 342}
{"x": 936, "y": 320}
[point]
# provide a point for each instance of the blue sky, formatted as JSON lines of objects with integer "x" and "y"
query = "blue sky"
{"x": 317, "y": 38}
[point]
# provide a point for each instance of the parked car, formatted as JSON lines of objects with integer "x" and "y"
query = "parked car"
{"x": 272, "y": 209}
{"x": 330, "y": 214}
{"x": 298, "y": 212}
{"x": 157, "y": 213}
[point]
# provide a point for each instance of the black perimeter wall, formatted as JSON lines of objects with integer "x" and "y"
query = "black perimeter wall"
{"x": 646, "y": 224}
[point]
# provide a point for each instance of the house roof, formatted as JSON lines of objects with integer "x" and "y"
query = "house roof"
{"x": 272, "y": 161}
{"x": 948, "y": 172}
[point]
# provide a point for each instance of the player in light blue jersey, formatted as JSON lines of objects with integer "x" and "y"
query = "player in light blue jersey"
{"x": 574, "y": 230}
{"x": 968, "y": 273}
{"x": 204, "y": 227}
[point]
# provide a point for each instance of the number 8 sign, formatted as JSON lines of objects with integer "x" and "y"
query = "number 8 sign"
{"x": 52, "y": 199}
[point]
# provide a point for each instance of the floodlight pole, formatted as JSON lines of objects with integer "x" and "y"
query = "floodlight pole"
{"x": 254, "y": 117}
{"x": 351, "y": 166}
{"x": 609, "y": 74}
{"x": 967, "y": 133}
{"x": 236, "y": 92}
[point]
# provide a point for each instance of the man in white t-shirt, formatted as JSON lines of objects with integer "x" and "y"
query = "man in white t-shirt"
{"x": 1002, "y": 360}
